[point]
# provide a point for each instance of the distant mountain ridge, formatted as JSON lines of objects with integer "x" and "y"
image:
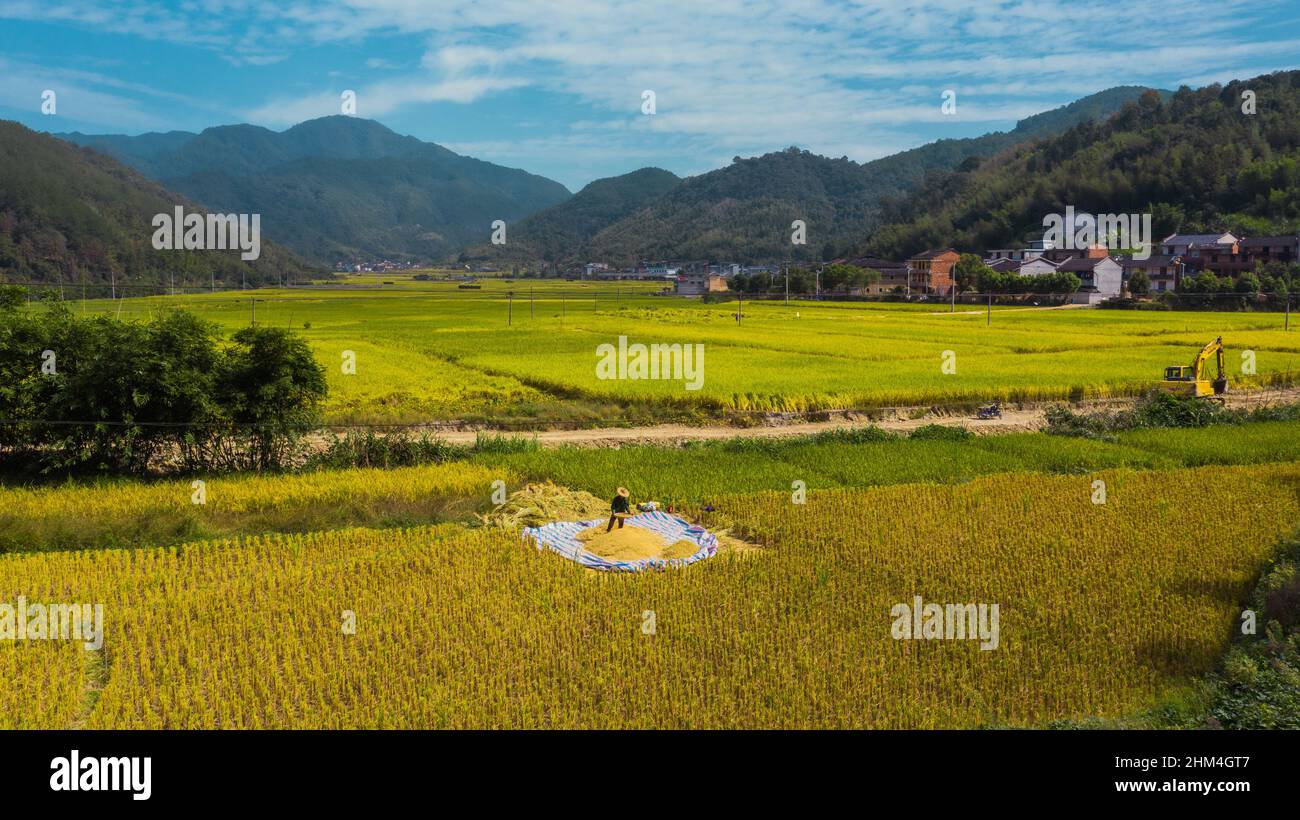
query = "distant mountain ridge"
{"x": 342, "y": 188}
{"x": 70, "y": 216}
{"x": 744, "y": 212}
{"x": 338, "y": 188}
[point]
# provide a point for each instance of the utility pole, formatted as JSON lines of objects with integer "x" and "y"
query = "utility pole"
{"x": 787, "y": 286}
{"x": 254, "y": 311}
{"x": 953, "y": 288}
{"x": 990, "y": 313}
{"x": 1287, "y": 324}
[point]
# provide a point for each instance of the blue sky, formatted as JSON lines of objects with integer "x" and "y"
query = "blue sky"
{"x": 556, "y": 88}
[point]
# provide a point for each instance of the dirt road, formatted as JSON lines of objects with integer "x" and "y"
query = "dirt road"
{"x": 1011, "y": 421}
{"x": 1015, "y": 419}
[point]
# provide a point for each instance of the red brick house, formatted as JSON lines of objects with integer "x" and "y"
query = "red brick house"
{"x": 931, "y": 272}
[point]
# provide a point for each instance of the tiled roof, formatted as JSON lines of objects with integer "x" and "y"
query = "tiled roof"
{"x": 1194, "y": 238}
{"x": 932, "y": 254}
{"x": 1085, "y": 264}
{"x": 1263, "y": 241}
{"x": 1156, "y": 260}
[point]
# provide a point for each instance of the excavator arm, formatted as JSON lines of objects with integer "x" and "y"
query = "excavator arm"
{"x": 1215, "y": 349}
{"x": 1194, "y": 380}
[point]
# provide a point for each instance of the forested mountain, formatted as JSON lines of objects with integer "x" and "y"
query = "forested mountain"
{"x": 339, "y": 188}
{"x": 901, "y": 173}
{"x": 744, "y": 212}
{"x": 342, "y": 188}
{"x": 562, "y": 231}
{"x": 71, "y": 215}
{"x": 1196, "y": 161}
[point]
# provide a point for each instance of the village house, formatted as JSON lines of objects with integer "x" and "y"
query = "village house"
{"x": 1066, "y": 254}
{"x": 893, "y": 275}
{"x": 1035, "y": 248}
{"x": 1038, "y": 266}
{"x": 931, "y": 272}
{"x": 893, "y": 279}
{"x": 1218, "y": 253}
{"x": 1024, "y": 266}
{"x": 1162, "y": 271}
{"x": 1181, "y": 244}
{"x": 699, "y": 282}
{"x": 1284, "y": 249}
{"x": 1102, "y": 278}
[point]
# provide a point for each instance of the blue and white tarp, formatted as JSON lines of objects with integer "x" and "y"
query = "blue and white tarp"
{"x": 562, "y": 537}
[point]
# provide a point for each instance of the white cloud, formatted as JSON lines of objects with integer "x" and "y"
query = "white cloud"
{"x": 377, "y": 99}
{"x": 83, "y": 97}
{"x": 841, "y": 76}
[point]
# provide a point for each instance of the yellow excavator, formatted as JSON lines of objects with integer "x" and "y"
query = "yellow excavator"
{"x": 1192, "y": 380}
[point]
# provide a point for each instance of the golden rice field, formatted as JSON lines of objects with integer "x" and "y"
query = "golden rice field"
{"x": 1104, "y": 608}
{"x": 118, "y": 513}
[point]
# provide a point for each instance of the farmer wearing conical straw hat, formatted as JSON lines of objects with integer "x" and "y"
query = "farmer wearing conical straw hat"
{"x": 619, "y": 508}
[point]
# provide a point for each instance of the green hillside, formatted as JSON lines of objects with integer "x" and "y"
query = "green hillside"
{"x": 1196, "y": 162}
{"x": 560, "y": 233}
{"x": 73, "y": 215}
{"x": 743, "y": 212}
{"x": 340, "y": 188}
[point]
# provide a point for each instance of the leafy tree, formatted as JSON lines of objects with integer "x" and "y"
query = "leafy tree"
{"x": 970, "y": 273}
{"x": 272, "y": 386}
{"x": 842, "y": 278}
{"x": 1139, "y": 284}
{"x": 12, "y": 297}
{"x": 105, "y": 395}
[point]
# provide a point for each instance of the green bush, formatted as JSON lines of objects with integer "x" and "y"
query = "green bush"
{"x": 1156, "y": 409}
{"x": 1258, "y": 686}
{"x": 399, "y": 448}
{"x": 101, "y": 395}
{"x": 940, "y": 432}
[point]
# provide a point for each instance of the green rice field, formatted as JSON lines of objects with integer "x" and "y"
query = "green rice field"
{"x": 526, "y": 350}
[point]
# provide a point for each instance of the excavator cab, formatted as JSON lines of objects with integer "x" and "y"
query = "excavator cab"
{"x": 1193, "y": 379}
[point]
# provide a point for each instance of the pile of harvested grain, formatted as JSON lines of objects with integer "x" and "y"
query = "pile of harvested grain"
{"x": 633, "y": 543}
{"x": 544, "y": 502}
